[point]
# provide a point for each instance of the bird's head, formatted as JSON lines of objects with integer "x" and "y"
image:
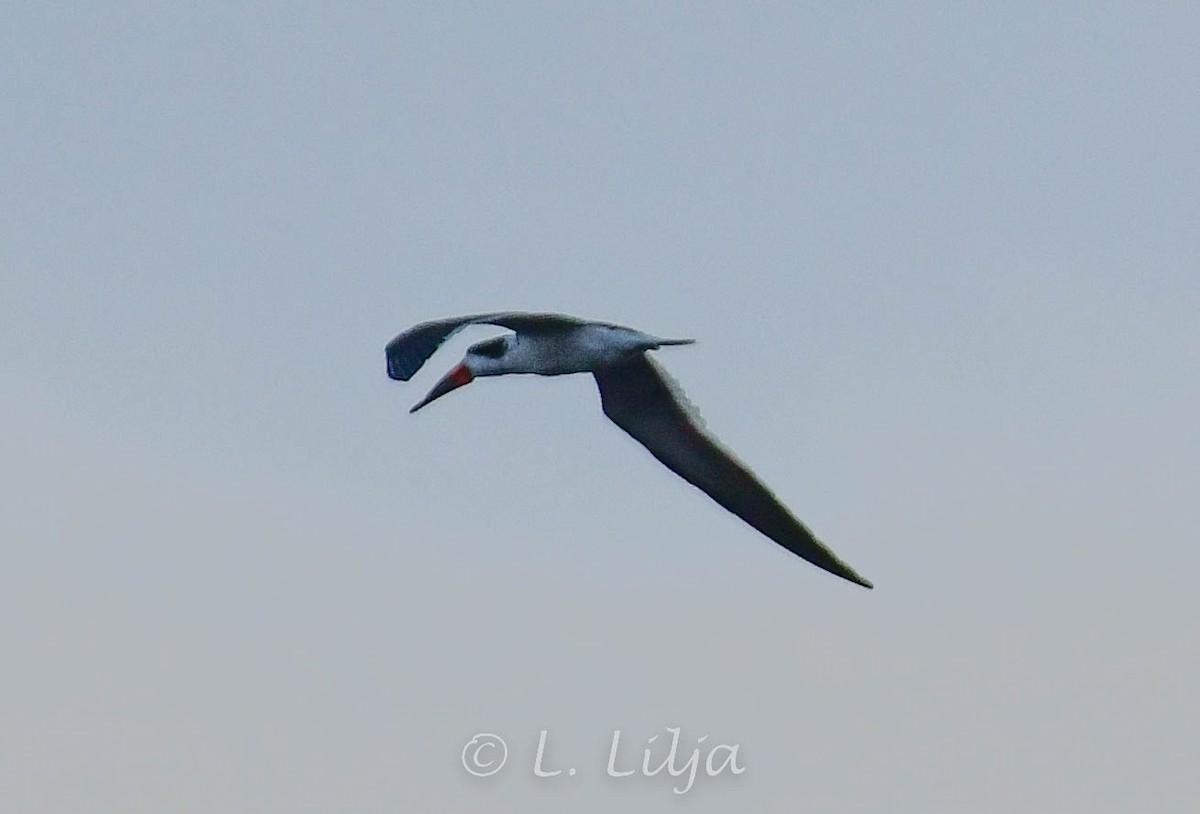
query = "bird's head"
{"x": 491, "y": 357}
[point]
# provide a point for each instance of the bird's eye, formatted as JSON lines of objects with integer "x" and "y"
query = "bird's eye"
{"x": 493, "y": 348}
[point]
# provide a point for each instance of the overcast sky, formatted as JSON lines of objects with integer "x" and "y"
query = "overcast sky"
{"x": 942, "y": 265}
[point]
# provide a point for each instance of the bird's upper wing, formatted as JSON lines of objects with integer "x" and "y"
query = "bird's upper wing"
{"x": 642, "y": 399}
{"x": 408, "y": 351}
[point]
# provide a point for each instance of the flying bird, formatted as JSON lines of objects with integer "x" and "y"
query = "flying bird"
{"x": 635, "y": 392}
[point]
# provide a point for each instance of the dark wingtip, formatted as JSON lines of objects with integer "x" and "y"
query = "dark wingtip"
{"x": 849, "y": 574}
{"x": 394, "y": 369}
{"x": 402, "y": 359}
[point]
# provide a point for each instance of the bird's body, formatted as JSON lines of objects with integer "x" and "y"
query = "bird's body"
{"x": 636, "y": 394}
{"x": 574, "y": 349}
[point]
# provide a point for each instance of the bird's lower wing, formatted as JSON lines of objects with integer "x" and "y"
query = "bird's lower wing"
{"x": 643, "y": 400}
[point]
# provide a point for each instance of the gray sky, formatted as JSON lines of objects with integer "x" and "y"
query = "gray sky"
{"x": 941, "y": 262}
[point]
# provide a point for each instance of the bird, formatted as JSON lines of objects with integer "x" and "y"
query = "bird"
{"x": 636, "y": 393}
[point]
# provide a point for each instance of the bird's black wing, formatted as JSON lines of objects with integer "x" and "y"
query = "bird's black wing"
{"x": 408, "y": 351}
{"x": 643, "y": 400}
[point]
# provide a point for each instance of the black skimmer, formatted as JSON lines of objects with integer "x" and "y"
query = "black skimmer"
{"x": 638, "y": 395}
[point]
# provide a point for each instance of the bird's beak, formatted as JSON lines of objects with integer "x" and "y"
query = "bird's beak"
{"x": 456, "y": 378}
